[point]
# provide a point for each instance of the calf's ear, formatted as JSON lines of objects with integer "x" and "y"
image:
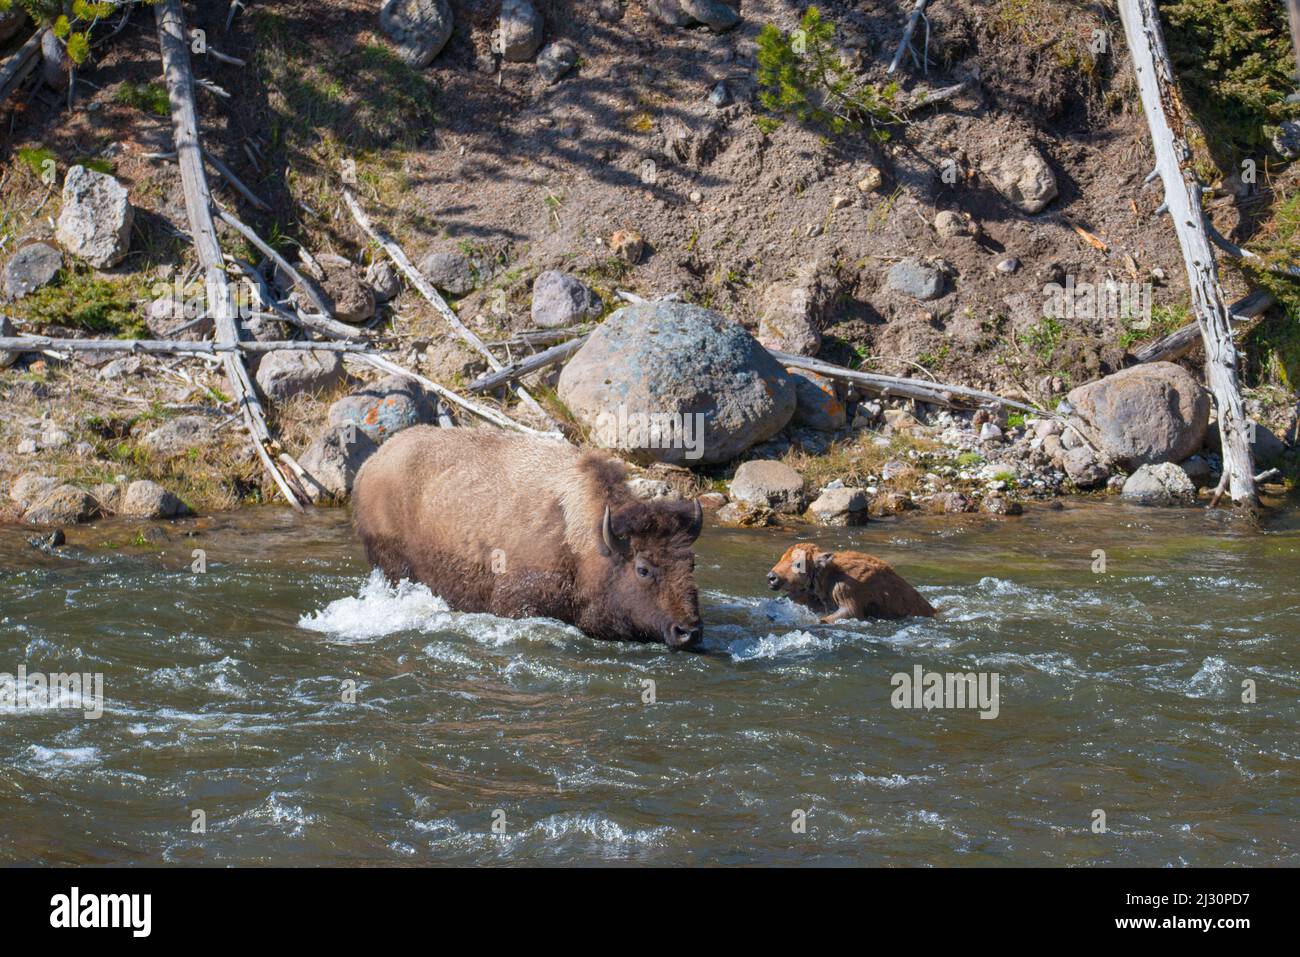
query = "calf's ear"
{"x": 822, "y": 559}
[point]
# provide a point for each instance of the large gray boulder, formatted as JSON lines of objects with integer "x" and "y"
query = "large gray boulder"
{"x": 31, "y": 487}
{"x": 840, "y": 506}
{"x": 521, "y": 30}
{"x": 31, "y": 267}
{"x": 284, "y": 373}
{"x": 177, "y": 436}
{"x": 1149, "y": 413}
{"x": 561, "y": 300}
{"x": 670, "y": 363}
{"x": 95, "y": 224}
{"x": 1162, "y": 484}
{"x": 146, "y": 499}
{"x": 332, "y": 461}
{"x": 1024, "y": 179}
{"x": 418, "y": 28}
{"x": 63, "y": 505}
{"x": 766, "y": 483}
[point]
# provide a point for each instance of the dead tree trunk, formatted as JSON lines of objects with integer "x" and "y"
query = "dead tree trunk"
{"x": 198, "y": 208}
{"x": 1166, "y": 117}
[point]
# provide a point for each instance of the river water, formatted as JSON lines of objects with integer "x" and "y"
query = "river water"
{"x": 284, "y": 707}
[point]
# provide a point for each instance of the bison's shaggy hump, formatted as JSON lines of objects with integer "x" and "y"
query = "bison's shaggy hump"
{"x": 514, "y": 526}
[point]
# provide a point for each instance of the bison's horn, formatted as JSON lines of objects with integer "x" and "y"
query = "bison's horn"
{"x": 697, "y": 521}
{"x": 615, "y": 544}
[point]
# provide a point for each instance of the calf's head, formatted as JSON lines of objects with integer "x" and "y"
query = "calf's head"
{"x": 651, "y": 586}
{"x": 797, "y": 569}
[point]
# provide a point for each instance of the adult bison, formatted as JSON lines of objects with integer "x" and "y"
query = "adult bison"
{"x": 517, "y": 526}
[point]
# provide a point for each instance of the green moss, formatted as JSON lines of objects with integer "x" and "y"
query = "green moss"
{"x": 150, "y": 97}
{"x": 82, "y": 301}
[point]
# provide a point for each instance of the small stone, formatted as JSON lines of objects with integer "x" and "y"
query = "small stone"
{"x": 950, "y": 225}
{"x": 146, "y": 499}
{"x": 1008, "y": 266}
{"x": 913, "y": 278}
{"x": 353, "y": 300}
{"x": 1000, "y": 505}
{"x": 55, "y": 438}
{"x": 840, "y": 507}
{"x": 556, "y": 60}
{"x": 560, "y": 299}
{"x": 627, "y": 245}
{"x": 719, "y": 96}
{"x": 27, "y": 447}
{"x": 1024, "y": 179}
{"x": 697, "y": 197}
{"x": 768, "y": 484}
{"x": 383, "y": 280}
{"x": 870, "y": 180}
{"x": 451, "y": 272}
{"x": 418, "y": 28}
{"x": 839, "y": 202}
{"x": 711, "y": 501}
{"x": 521, "y": 30}
{"x": 287, "y": 372}
{"x": 30, "y": 268}
{"x": 1162, "y": 484}
{"x": 1286, "y": 141}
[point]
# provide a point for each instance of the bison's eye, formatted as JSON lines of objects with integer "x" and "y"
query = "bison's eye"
{"x": 643, "y": 570}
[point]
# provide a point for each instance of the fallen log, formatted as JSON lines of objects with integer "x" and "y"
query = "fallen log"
{"x": 310, "y": 289}
{"x": 323, "y": 325}
{"x": 179, "y": 79}
{"x": 158, "y": 347}
{"x": 425, "y": 288}
{"x": 18, "y": 67}
{"x": 937, "y": 393}
{"x": 1178, "y": 342}
{"x": 1163, "y": 107}
{"x": 533, "y": 363}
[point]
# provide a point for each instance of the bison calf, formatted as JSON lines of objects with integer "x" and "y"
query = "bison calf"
{"x": 521, "y": 527}
{"x": 845, "y": 584}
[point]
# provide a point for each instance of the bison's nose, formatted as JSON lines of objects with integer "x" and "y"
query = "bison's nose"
{"x": 683, "y": 636}
{"x": 773, "y": 581}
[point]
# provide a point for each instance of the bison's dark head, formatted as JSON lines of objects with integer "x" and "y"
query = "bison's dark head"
{"x": 652, "y": 583}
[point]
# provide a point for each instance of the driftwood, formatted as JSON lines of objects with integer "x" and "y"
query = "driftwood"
{"x": 171, "y": 346}
{"x": 924, "y": 98}
{"x": 426, "y": 289}
{"x": 198, "y": 208}
{"x": 310, "y": 289}
{"x": 1163, "y": 106}
{"x": 517, "y": 370}
{"x": 1177, "y": 343}
{"x": 322, "y": 324}
{"x": 918, "y": 11}
{"x": 18, "y": 67}
{"x": 936, "y": 393}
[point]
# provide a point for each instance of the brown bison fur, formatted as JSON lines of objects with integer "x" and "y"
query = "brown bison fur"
{"x": 845, "y": 584}
{"x": 516, "y": 526}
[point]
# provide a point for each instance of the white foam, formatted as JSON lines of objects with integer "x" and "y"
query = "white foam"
{"x": 792, "y": 644}
{"x": 63, "y": 757}
{"x": 377, "y": 611}
{"x": 1211, "y": 681}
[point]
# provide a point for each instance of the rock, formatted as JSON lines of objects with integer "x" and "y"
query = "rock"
{"x": 30, "y": 487}
{"x": 669, "y": 13}
{"x": 950, "y": 225}
{"x": 177, "y": 436}
{"x": 108, "y": 495}
{"x": 1155, "y": 412}
{"x": 381, "y": 410}
{"x": 1198, "y": 470}
{"x": 611, "y": 11}
{"x": 899, "y": 420}
{"x": 891, "y": 503}
{"x": 1266, "y": 448}
{"x": 791, "y": 314}
{"x": 816, "y": 404}
{"x": 1008, "y": 266}
{"x": 27, "y": 447}
{"x": 739, "y": 515}
{"x": 333, "y": 460}
{"x": 1286, "y": 141}
{"x": 913, "y": 278}
{"x": 61, "y": 505}
{"x": 1000, "y": 505}
{"x": 840, "y": 506}
{"x": 720, "y": 95}
{"x": 118, "y": 368}
{"x": 1161, "y": 484}
{"x": 556, "y": 59}
{"x": 717, "y": 16}
{"x": 1024, "y": 179}
{"x": 353, "y": 300}
{"x": 12, "y": 21}
{"x": 627, "y": 245}
{"x": 55, "y": 62}
{"x": 30, "y": 268}
{"x": 951, "y": 503}
{"x": 563, "y": 300}
{"x": 146, "y": 499}
{"x": 649, "y": 489}
{"x": 521, "y": 30}
{"x": 95, "y": 224}
{"x": 7, "y": 330}
{"x": 681, "y": 364}
{"x": 54, "y": 539}
{"x": 448, "y": 361}
{"x": 383, "y": 279}
{"x": 1081, "y": 465}
{"x": 870, "y": 179}
{"x": 711, "y": 501}
{"x": 286, "y": 372}
{"x": 450, "y": 272}
{"x": 763, "y": 483}
{"x": 418, "y": 28}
